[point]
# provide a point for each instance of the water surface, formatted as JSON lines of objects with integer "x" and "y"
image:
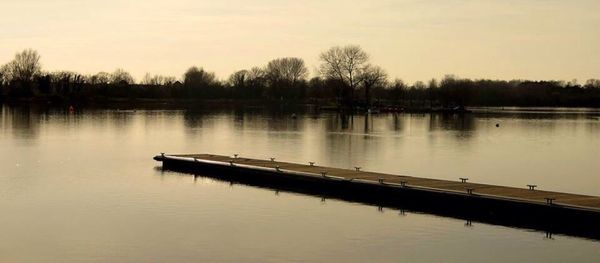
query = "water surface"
{"x": 82, "y": 187}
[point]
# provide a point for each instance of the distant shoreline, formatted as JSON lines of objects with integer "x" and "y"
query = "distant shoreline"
{"x": 286, "y": 105}
{"x": 346, "y": 81}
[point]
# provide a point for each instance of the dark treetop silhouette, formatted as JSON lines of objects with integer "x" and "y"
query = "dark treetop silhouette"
{"x": 345, "y": 79}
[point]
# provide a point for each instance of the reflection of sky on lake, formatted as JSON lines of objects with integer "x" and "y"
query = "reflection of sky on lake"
{"x": 80, "y": 186}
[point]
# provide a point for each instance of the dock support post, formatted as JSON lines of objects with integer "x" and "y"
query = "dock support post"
{"x": 231, "y": 162}
{"x": 550, "y": 201}
{"x": 464, "y": 180}
{"x": 311, "y": 163}
{"x": 235, "y": 156}
{"x": 380, "y": 180}
{"x": 357, "y": 168}
{"x": 272, "y": 159}
{"x": 470, "y": 191}
{"x": 324, "y": 174}
{"x": 403, "y": 183}
{"x": 531, "y": 186}
{"x": 277, "y": 168}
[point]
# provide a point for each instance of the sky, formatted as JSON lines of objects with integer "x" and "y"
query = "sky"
{"x": 411, "y": 39}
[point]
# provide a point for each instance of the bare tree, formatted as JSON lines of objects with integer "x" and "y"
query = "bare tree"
{"x": 66, "y": 77}
{"x": 592, "y": 83}
{"x": 239, "y": 78}
{"x": 370, "y": 77}
{"x": 157, "y": 80}
{"x": 168, "y": 80}
{"x": 4, "y": 75}
{"x": 283, "y": 76}
{"x": 99, "y": 78}
{"x": 63, "y": 82}
{"x": 289, "y": 70}
{"x": 147, "y": 79}
{"x": 248, "y": 83}
{"x": 257, "y": 76}
{"x": 121, "y": 76}
{"x": 25, "y": 66}
{"x": 198, "y": 77}
{"x": 345, "y": 64}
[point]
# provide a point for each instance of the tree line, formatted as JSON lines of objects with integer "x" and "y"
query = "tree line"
{"x": 345, "y": 78}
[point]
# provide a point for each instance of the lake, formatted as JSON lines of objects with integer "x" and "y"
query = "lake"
{"x": 82, "y": 186}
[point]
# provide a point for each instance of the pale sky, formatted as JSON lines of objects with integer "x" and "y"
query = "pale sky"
{"x": 410, "y": 39}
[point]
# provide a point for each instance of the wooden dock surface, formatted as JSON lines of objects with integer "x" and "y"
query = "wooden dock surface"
{"x": 525, "y": 194}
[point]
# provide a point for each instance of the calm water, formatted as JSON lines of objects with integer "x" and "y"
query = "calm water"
{"x": 83, "y": 187}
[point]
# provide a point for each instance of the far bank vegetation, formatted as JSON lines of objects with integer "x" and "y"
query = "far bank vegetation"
{"x": 345, "y": 78}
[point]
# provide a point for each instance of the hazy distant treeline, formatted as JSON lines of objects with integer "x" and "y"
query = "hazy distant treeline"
{"x": 344, "y": 78}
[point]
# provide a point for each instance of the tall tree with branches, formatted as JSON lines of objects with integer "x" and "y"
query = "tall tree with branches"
{"x": 287, "y": 69}
{"x": 22, "y": 70}
{"x": 283, "y": 75}
{"x": 346, "y": 65}
{"x": 371, "y": 77}
{"x": 25, "y": 66}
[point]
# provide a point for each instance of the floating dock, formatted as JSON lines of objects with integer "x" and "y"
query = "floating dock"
{"x": 526, "y": 207}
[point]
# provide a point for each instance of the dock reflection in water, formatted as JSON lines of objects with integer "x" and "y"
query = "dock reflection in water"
{"x": 511, "y": 215}
{"x": 76, "y": 186}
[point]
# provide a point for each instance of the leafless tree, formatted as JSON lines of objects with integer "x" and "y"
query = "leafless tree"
{"x": 63, "y": 82}
{"x": 289, "y": 70}
{"x": 239, "y": 78}
{"x": 344, "y": 63}
{"x": 99, "y": 78}
{"x": 372, "y": 76}
{"x": 147, "y": 79}
{"x": 157, "y": 80}
{"x": 4, "y": 74}
{"x": 257, "y": 78}
{"x": 120, "y": 76}
{"x": 397, "y": 90}
{"x": 283, "y": 77}
{"x": 419, "y": 85}
{"x": 592, "y": 83}
{"x": 257, "y": 75}
{"x": 198, "y": 77}
{"x": 25, "y": 66}
{"x": 66, "y": 76}
{"x": 248, "y": 83}
{"x": 168, "y": 80}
